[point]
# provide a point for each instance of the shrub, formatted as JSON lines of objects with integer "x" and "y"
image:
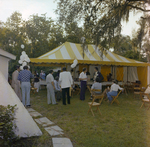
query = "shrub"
{"x": 7, "y": 125}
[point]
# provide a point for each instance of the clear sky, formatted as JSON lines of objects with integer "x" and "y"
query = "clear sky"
{"x": 29, "y": 7}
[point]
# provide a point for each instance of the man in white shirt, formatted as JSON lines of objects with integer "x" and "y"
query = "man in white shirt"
{"x": 16, "y": 83}
{"x": 66, "y": 82}
{"x": 113, "y": 90}
{"x": 50, "y": 88}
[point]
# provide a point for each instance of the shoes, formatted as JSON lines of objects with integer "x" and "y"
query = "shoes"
{"x": 28, "y": 106}
{"x": 56, "y": 104}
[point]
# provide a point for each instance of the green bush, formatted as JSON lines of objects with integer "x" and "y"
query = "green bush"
{"x": 7, "y": 125}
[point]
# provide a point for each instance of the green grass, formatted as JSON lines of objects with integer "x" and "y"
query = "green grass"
{"x": 120, "y": 125}
{"x": 123, "y": 125}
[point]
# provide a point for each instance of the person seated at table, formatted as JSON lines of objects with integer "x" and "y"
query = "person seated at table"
{"x": 109, "y": 77}
{"x": 113, "y": 90}
{"x": 97, "y": 85}
{"x": 57, "y": 89}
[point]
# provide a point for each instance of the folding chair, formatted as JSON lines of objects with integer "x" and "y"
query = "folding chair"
{"x": 95, "y": 104}
{"x": 33, "y": 89}
{"x": 129, "y": 86}
{"x": 145, "y": 100}
{"x": 136, "y": 89}
{"x": 88, "y": 87}
{"x": 77, "y": 89}
{"x": 115, "y": 98}
{"x": 124, "y": 87}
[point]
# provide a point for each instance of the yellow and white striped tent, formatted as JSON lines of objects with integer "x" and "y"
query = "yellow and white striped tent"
{"x": 67, "y": 52}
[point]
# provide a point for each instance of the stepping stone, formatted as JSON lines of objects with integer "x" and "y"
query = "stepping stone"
{"x": 35, "y": 114}
{"x": 44, "y": 121}
{"x": 61, "y": 142}
{"x": 30, "y": 109}
{"x": 54, "y": 130}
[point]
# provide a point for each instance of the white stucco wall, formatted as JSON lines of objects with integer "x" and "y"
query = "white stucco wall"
{"x": 4, "y": 66}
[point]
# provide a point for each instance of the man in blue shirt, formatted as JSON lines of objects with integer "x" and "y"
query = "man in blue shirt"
{"x": 24, "y": 78}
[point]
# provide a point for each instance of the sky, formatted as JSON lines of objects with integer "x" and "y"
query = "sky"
{"x": 30, "y": 7}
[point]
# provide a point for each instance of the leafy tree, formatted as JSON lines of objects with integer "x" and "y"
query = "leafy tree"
{"x": 73, "y": 32}
{"x": 102, "y": 17}
{"x": 39, "y": 35}
{"x": 42, "y": 33}
{"x": 12, "y": 36}
{"x": 121, "y": 44}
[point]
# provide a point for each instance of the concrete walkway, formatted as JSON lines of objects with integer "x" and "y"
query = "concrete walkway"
{"x": 52, "y": 129}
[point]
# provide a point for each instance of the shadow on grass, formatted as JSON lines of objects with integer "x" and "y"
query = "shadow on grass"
{"x": 120, "y": 125}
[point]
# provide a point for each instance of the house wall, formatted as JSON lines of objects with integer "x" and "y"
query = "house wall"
{"x": 4, "y": 66}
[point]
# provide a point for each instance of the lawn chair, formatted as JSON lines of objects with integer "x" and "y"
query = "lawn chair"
{"x": 93, "y": 103}
{"x": 78, "y": 89}
{"x": 137, "y": 89}
{"x": 129, "y": 86}
{"x": 115, "y": 98}
{"x": 33, "y": 89}
{"x": 144, "y": 88}
{"x": 88, "y": 87}
{"x": 124, "y": 86}
{"x": 145, "y": 100}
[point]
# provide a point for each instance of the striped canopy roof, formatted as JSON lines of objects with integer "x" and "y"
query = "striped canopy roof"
{"x": 68, "y": 51}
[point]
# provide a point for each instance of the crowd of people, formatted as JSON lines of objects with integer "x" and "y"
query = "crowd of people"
{"x": 59, "y": 87}
{"x": 98, "y": 78}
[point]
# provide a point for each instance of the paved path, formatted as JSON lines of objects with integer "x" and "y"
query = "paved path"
{"x": 52, "y": 129}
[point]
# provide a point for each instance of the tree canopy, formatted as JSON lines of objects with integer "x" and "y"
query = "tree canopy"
{"x": 102, "y": 18}
{"x": 101, "y": 21}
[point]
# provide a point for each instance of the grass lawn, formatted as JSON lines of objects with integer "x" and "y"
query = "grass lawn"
{"x": 123, "y": 125}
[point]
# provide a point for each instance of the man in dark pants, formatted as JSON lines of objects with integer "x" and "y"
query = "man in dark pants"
{"x": 66, "y": 82}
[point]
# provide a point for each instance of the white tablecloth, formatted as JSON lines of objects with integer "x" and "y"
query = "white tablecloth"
{"x": 42, "y": 82}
